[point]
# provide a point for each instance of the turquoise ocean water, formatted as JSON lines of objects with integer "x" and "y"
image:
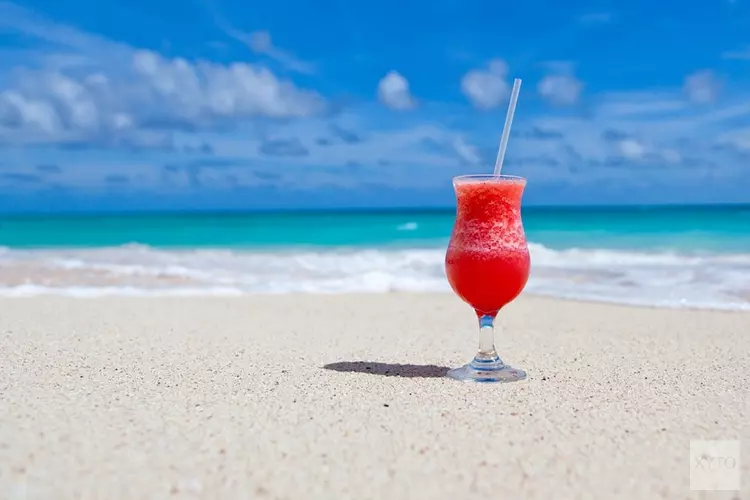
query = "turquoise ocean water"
{"x": 676, "y": 256}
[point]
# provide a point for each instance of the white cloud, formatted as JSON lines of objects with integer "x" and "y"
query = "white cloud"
{"x": 398, "y": 151}
{"x": 738, "y": 139}
{"x": 427, "y": 146}
{"x": 742, "y": 54}
{"x": 17, "y": 110}
{"x": 632, "y": 149}
{"x": 75, "y": 47}
{"x": 466, "y": 151}
{"x": 639, "y": 131}
{"x": 671, "y": 156}
{"x": 486, "y": 88}
{"x": 261, "y": 43}
{"x": 98, "y": 91}
{"x": 639, "y": 104}
{"x": 560, "y": 89}
{"x": 114, "y": 92}
{"x": 702, "y": 87}
{"x": 393, "y": 91}
{"x": 201, "y": 91}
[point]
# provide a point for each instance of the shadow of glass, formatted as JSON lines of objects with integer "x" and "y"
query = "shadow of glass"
{"x": 389, "y": 369}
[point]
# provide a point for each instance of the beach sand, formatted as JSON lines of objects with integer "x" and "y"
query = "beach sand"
{"x": 323, "y": 397}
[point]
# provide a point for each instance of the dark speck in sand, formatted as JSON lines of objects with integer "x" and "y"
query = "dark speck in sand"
{"x": 386, "y": 405}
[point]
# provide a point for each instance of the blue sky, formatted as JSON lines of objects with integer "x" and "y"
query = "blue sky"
{"x": 219, "y": 104}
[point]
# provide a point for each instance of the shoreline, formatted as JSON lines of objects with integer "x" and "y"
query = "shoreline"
{"x": 194, "y": 294}
{"x": 715, "y": 281}
{"x": 314, "y": 396}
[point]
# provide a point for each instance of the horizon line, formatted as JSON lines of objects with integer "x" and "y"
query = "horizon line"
{"x": 359, "y": 210}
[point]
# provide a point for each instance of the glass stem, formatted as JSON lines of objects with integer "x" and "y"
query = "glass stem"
{"x": 487, "y": 354}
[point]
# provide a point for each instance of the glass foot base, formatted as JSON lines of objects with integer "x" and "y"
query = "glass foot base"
{"x": 487, "y": 372}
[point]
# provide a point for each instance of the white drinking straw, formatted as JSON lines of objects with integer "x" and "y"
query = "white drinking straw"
{"x": 506, "y": 129}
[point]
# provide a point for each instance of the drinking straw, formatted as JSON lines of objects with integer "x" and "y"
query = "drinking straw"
{"x": 506, "y": 128}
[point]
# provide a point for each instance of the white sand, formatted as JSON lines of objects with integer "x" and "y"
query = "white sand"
{"x": 228, "y": 398}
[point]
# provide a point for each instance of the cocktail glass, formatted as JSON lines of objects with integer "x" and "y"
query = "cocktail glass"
{"x": 487, "y": 263}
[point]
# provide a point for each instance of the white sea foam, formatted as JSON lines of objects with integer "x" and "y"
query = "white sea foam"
{"x": 661, "y": 279}
{"x": 122, "y": 291}
{"x": 409, "y": 226}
